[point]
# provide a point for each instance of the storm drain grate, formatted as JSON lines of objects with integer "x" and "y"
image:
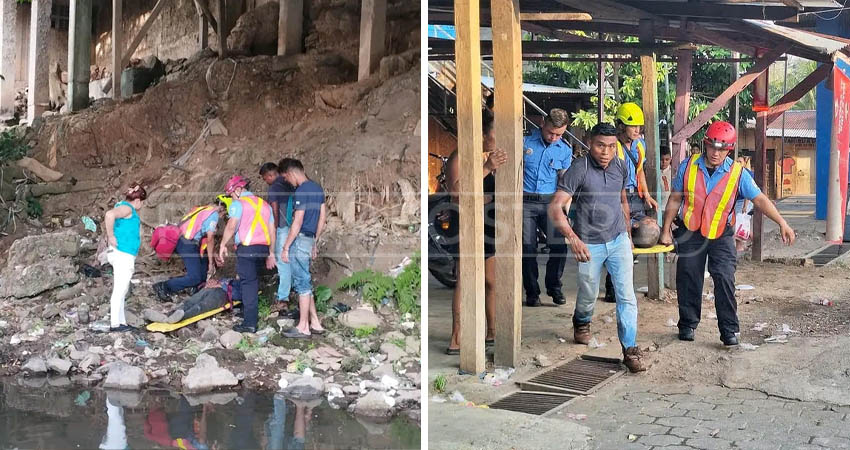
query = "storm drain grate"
{"x": 551, "y": 389}
{"x": 826, "y": 255}
{"x": 537, "y": 403}
{"x": 579, "y": 376}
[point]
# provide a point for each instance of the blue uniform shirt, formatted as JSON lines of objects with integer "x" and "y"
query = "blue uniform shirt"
{"x": 747, "y": 187}
{"x": 631, "y": 182}
{"x": 542, "y": 162}
{"x": 208, "y": 225}
{"x": 235, "y": 212}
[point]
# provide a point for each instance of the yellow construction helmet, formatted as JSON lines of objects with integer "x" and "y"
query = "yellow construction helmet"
{"x": 630, "y": 114}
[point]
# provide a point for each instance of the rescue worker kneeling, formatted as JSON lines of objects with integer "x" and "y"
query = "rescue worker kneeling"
{"x": 195, "y": 247}
{"x": 706, "y": 187}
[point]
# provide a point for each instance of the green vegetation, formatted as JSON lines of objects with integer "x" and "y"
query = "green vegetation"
{"x": 246, "y": 345}
{"x": 12, "y": 148}
{"x": 322, "y": 294}
{"x": 34, "y": 209}
{"x": 398, "y": 342}
{"x": 363, "y": 332}
{"x": 302, "y": 362}
{"x": 440, "y": 383}
{"x": 405, "y": 289}
{"x": 264, "y": 306}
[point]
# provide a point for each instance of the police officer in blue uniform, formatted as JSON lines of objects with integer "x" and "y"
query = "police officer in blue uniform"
{"x": 545, "y": 157}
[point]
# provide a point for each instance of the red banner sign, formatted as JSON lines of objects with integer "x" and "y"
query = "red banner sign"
{"x": 840, "y": 148}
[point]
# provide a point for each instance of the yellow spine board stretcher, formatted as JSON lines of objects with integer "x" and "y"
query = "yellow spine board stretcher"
{"x": 160, "y": 327}
{"x": 654, "y": 249}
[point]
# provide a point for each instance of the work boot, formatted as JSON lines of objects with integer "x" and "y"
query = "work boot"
{"x": 581, "y": 333}
{"x": 161, "y": 292}
{"x": 557, "y": 297}
{"x": 686, "y": 334}
{"x": 631, "y": 359}
{"x": 729, "y": 340}
{"x": 532, "y": 301}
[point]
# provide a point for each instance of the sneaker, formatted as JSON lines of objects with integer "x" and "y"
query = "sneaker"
{"x": 161, "y": 292}
{"x": 631, "y": 359}
{"x": 557, "y": 297}
{"x": 729, "y": 340}
{"x": 581, "y": 333}
{"x": 532, "y": 301}
{"x": 686, "y": 334}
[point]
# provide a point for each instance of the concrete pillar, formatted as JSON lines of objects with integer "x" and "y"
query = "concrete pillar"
{"x": 290, "y": 27}
{"x": 79, "y": 54}
{"x": 373, "y": 32}
{"x": 117, "y": 46}
{"x": 8, "y": 52}
{"x": 39, "y": 90}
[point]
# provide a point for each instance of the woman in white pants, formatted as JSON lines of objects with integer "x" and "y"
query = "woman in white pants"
{"x": 123, "y": 233}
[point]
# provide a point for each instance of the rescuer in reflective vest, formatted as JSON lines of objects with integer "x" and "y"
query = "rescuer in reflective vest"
{"x": 195, "y": 247}
{"x": 252, "y": 226}
{"x": 706, "y": 187}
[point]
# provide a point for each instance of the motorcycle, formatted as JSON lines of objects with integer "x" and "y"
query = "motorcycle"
{"x": 442, "y": 231}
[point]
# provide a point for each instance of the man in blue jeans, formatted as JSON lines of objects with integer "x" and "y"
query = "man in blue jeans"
{"x": 308, "y": 222}
{"x": 280, "y": 199}
{"x": 601, "y": 237}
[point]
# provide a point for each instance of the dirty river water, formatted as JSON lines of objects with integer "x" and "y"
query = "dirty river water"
{"x": 35, "y": 415}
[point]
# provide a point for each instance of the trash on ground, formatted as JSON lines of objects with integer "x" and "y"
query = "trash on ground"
{"x": 438, "y": 399}
{"x": 642, "y": 289}
{"x": 595, "y": 344}
{"x": 83, "y": 398}
{"x": 759, "y": 326}
{"x": 714, "y": 432}
{"x": 822, "y": 301}
{"x": 89, "y": 224}
{"x": 786, "y": 329}
{"x": 457, "y": 397}
{"x": 562, "y": 340}
{"x": 633, "y": 437}
{"x": 671, "y": 323}
{"x": 777, "y": 339}
{"x": 748, "y": 346}
{"x": 744, "y": 287}
{"x": 498, "y": 377}
{"x": 576, "y": 416}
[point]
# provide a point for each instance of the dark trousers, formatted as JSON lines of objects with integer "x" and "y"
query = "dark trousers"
{"x": 637, "y": 211}
{"x": 250, "y": 261}
{"x": 196, "y": 266}
{"x": 693, "y": 249}
{"x": 534, "y": 216}
{"x": 202, "y": 301}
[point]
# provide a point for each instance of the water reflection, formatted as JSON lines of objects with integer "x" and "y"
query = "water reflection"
{"x": 73, "y": 417}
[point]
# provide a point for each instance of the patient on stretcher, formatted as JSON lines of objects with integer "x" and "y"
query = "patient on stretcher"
{"x": 645, "y": 232}
{"x": 215, "y": 294}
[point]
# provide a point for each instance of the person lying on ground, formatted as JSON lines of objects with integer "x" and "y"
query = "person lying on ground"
{"x": 215, "y": 294}
{"x": 645, "y": 232}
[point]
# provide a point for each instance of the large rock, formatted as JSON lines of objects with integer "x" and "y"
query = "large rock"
{"x": 393, "y": 351}
{"x": 230, "y": 339}
{"x": 374, "y": 405}
{"x": 59, "y": 365}
{"x": 31, "y": 280}
{"x": 306, "y": 387}
{"x": 38, "y": 248}
{"x": 361, "y": 317}
{"x": 35, "y": 366}
{"x": 124, "y": 376}
{"x": 256, "y": 31}
{"x": 207, "y": 375}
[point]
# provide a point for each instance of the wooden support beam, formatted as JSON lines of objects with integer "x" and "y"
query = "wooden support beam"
{"x": 759, "y": 170}
{"x": 204, "y": 8}
{"x": 608, "y": 9}
{"x": 373, "y": 32}
{"x": 551, "y": 16}
{"x": 203, "y": 31}
{"x": 290, "y": 27}
{"x": 471, "y": 197}
{"x": 160, "y": 5}
{"x": 719, "y": 39}
{"x": 222, "y": 34}
{"x": 797, "y": 92}
{"x": 652, "y": 165}
{"x": 751, "y": 10}
{"x": 507, "y": 67}
{"x": 446, "y": 46}
{"x": 538, "y": 28}
{"x": 684, "y": 70}
{"x": 117, "y": 46}
{"x": 723, "y": 99}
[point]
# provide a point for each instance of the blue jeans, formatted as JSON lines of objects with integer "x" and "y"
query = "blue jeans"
{"x": 284, "y": 271}
{"x": 196, "y": 266}
{"x": 616, "y": 255}
{"x": 299, "y": 256}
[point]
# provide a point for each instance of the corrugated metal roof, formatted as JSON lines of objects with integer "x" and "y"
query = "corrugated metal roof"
{"x": 798, "y": 124}
{"x": 819, "y": 43}
{"x": 542, "y": 88}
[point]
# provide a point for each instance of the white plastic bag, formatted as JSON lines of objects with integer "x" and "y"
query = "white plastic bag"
{"x": 743, "y": 227}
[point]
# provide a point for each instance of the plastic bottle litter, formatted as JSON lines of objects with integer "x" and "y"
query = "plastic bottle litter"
{"x": 822, "y": 301}
{"x": 744, "y": 287}
{"x": 99, "y": 326}
{"x": 642, "y": 289}
{"x": 595, "y": 344}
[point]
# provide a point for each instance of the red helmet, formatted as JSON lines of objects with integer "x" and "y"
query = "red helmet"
{"x": 721, "y": 135}
{"x": 236, "y": 181}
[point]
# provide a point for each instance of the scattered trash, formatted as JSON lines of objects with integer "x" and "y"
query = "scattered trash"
{"x": 562, "y": 340}
{"x": 607, "y": 319}
{"x": 642, "y": 289}
{"x": 498, "y": 377}
{"x": 777, "y": 339}
{"x": 141, "y": 343}
{"x": 89, "y": 224}
{"x": 83, "y": 398}
{"x": 389, "y": 382}
{"x": 99, "y": 326}
{"x": 759, "y": 326}
{"x": 595, "y": 344}
{"x": 308, "y": 373}
{"x": 576, "y": 416}
{"x": 744, "y": 287}
{"x": 395, "y": 271}
{"x": 714, "y": 432}
{"x": 90, "y": 271}
{"x": 457, "y": 397}
{"x": 408, "y": 325}
{"x": 283, "y": 383}
{"x": 633, "y": 437}
{"x": 672, "y": 323}
{"x": 438, "y": 399}
{"x": 748, "y": 346}
{"x": 712, "y": 316}
{"x": 786, "y": 329}
{"x": 823, "y": 302}
{"x": 341, "y": 307}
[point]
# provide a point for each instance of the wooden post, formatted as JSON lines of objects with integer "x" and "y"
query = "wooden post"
{"x": 8, "y": 54}
{"x": 507, "y": 67}
{"x": 373, "y": 32}
{"x": 684, "y": 66}
{"x": 203, "y": 31}
{"x": 761, "y": 180}
{"x": 652, "y": 165}
{"x": 290, "y": 27}
{"x": 471, "y": 195}
{"x": 117, "y": 46}
{"x": 222, "y": 34}
{"x": 160, "y": 4}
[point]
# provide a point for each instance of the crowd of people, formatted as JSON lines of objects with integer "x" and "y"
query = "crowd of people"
{"x": 278, "y": 232}
{"x": 599, "y": 207}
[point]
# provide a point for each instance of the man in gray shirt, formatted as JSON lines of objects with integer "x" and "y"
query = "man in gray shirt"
{"x": 600, "y": 237}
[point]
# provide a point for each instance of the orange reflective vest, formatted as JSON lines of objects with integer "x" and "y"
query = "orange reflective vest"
{"x": 192, "y": 222}
{"x": 254, "y": 223}
{"x": 708, "y": 212}
{"x": 640, "y": 160}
